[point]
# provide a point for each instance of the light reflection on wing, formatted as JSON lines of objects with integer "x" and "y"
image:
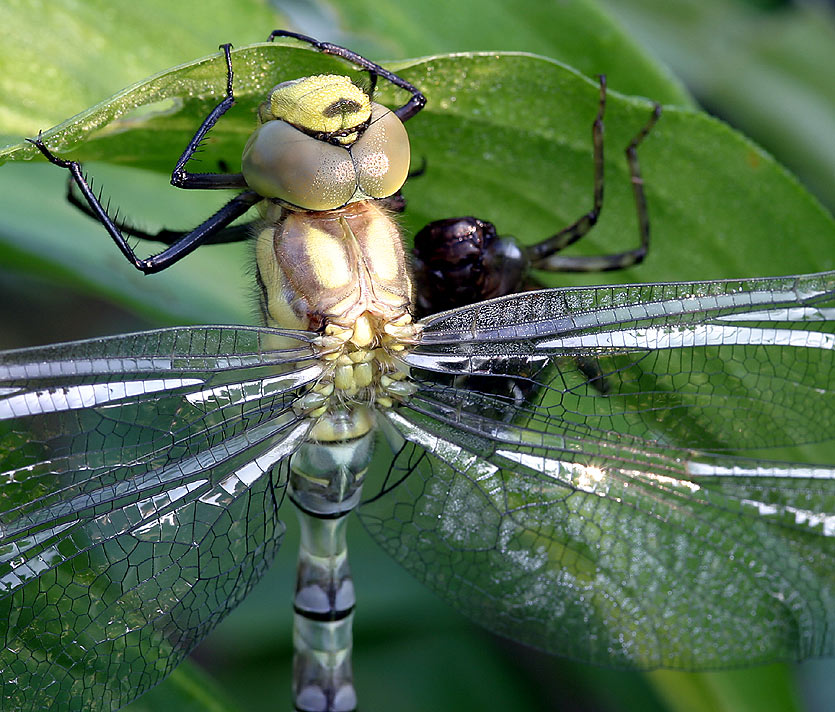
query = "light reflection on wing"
{"x": 657, "y": 362}
{"x": 139, "y": 502}
{"x": 628, "y": 511}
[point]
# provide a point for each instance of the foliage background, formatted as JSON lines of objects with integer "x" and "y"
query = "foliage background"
{"x": 759, "y": 64}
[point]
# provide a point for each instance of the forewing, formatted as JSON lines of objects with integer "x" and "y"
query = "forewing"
{"x": 727, "y": 365}
{"x": 601, "y": 505}
{"x": 142, "y": 478}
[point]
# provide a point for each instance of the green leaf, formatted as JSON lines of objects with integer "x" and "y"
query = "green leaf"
{"x": 70, "y": 55}
{"x": 578, "y": 33}
{"x": 507, "y": 138}
{"x": 187, "y": 689}
{"x": 766, "y": 72}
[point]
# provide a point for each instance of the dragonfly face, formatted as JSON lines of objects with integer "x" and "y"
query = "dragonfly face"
{"x": 639, "y": 523}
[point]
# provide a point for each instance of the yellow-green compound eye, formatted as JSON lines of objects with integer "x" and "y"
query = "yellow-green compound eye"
{"x": 279, "y": 161}
{"x": 381, "y": 155}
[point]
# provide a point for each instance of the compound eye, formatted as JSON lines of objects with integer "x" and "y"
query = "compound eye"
{"x": 381, "y": 155}
{"x": 279, "y": 161}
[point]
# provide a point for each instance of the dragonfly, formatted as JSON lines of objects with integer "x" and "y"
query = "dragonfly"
{"x": 584, "y": 470}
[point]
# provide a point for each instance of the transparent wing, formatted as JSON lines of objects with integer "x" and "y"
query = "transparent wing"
{"x": 612, "y": 502}
{"x": 143, "y": 475}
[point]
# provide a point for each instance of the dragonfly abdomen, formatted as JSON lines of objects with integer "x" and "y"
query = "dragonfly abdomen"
{"x": 326, "y": 477}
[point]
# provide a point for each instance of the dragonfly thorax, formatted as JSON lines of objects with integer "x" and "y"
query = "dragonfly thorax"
{"x": 342, "y": 273}
{"x": 458, "y": 261}
{"x": 345, "y": 267}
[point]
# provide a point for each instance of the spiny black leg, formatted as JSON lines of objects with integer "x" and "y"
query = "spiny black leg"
{"x": 180, "y": 177}
{"x": 405, "y": 112}
{"x": 180, "y": 244}
{"x": 203, "y": 233}
{"x": 235, "y": 233}
{"x": 221, "y": 219}
{"x": 619, "y": 260}
{"x": 580, "y": 227}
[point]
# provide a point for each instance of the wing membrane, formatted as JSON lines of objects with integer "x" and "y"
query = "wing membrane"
{"x": 609, "y": 501}
{"x": 583, "y": 470}
{"x": 729, "y": 365}
{"x": 143, "y": 477}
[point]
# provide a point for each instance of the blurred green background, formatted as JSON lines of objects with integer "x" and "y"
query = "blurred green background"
{"x": 764, "y": 66}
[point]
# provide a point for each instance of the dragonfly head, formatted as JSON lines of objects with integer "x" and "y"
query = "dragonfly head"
{"x": 322, "y": 143}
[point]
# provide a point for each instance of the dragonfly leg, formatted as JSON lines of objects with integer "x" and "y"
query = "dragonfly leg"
{"x": 570, "y": 234}
{"x": 180, "y": 243}
{"x": 415, "y": 103}
{"x": 235, "y": 233}
{"x": 544, "y": 255}
{"x": 206, "y": 181}
{"x": 176, "y": 251}
{"x": 459, "y": 261}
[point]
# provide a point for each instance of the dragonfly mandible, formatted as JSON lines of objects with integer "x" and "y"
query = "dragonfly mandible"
{"x": 608, "y": 518}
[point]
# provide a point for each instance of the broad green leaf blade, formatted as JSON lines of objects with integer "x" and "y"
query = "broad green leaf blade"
{"x": 57, "y": 63}
{"x": 507, "y": 138}
{"x": 761, "y": 67}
